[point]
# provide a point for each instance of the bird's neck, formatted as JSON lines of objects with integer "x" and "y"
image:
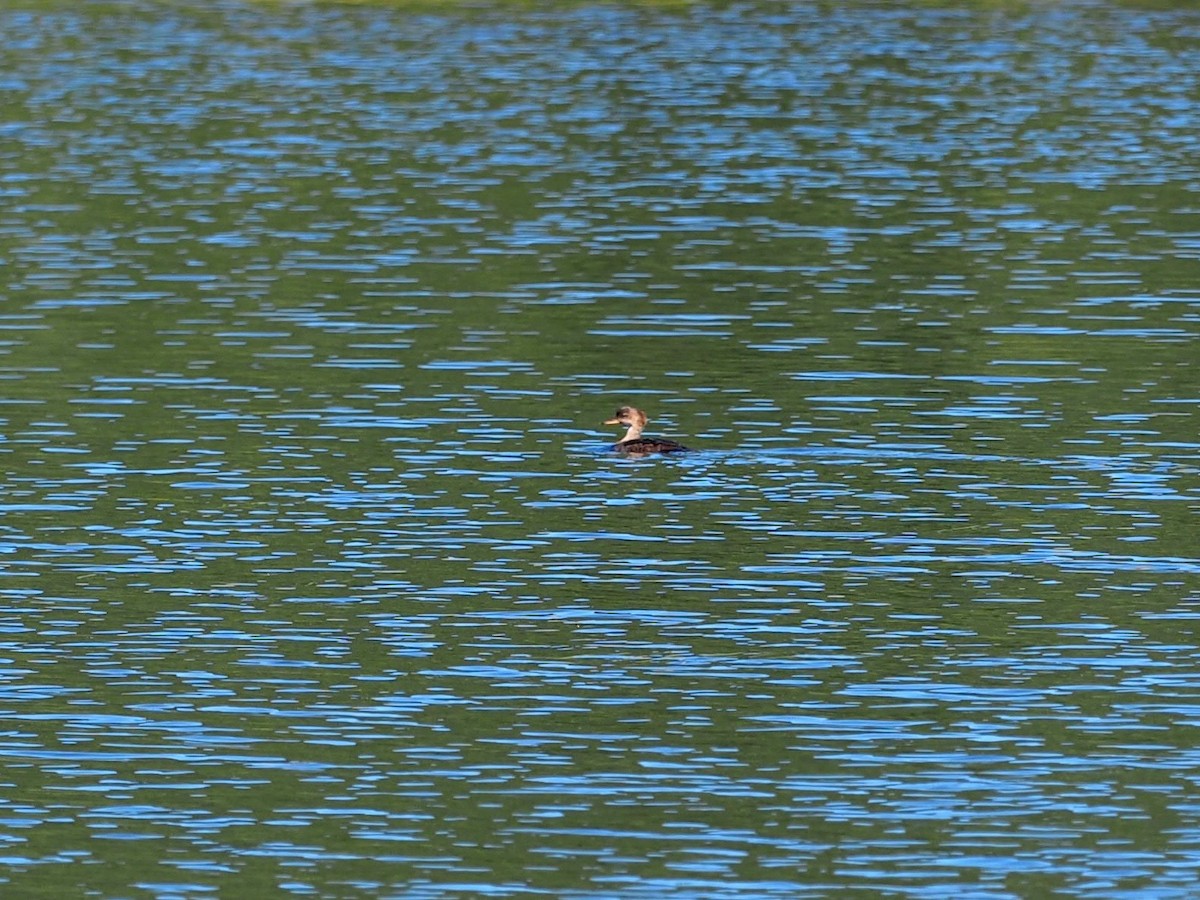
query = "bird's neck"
{"x": 635, "y": 431}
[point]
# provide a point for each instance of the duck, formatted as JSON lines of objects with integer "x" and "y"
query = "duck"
{"x": 633, "y": 442}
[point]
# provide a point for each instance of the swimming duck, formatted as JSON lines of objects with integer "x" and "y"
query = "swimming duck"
{"x": 635, "y": 420}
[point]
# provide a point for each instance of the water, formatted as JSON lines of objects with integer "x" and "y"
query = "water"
{"x": 318, "y": 581}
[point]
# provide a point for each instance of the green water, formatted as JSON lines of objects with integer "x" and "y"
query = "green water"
{"x": 317, "y": 574}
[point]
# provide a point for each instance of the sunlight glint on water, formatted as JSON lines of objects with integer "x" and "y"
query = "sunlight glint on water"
{"x": 318, "y": 577}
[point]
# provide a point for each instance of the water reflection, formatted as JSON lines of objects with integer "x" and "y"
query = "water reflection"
{"x": 318, "y": 575}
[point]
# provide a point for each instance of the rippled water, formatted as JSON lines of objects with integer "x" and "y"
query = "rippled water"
{"x": 317, "y": 578}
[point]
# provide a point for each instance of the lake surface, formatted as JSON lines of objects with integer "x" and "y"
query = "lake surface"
{"x": 317, "y": 577}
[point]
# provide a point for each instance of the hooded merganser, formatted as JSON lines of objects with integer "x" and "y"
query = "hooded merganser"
{"x": 633, "y": 442}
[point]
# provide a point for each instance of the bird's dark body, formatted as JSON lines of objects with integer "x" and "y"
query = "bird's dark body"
{"x": 649, "y": 445}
